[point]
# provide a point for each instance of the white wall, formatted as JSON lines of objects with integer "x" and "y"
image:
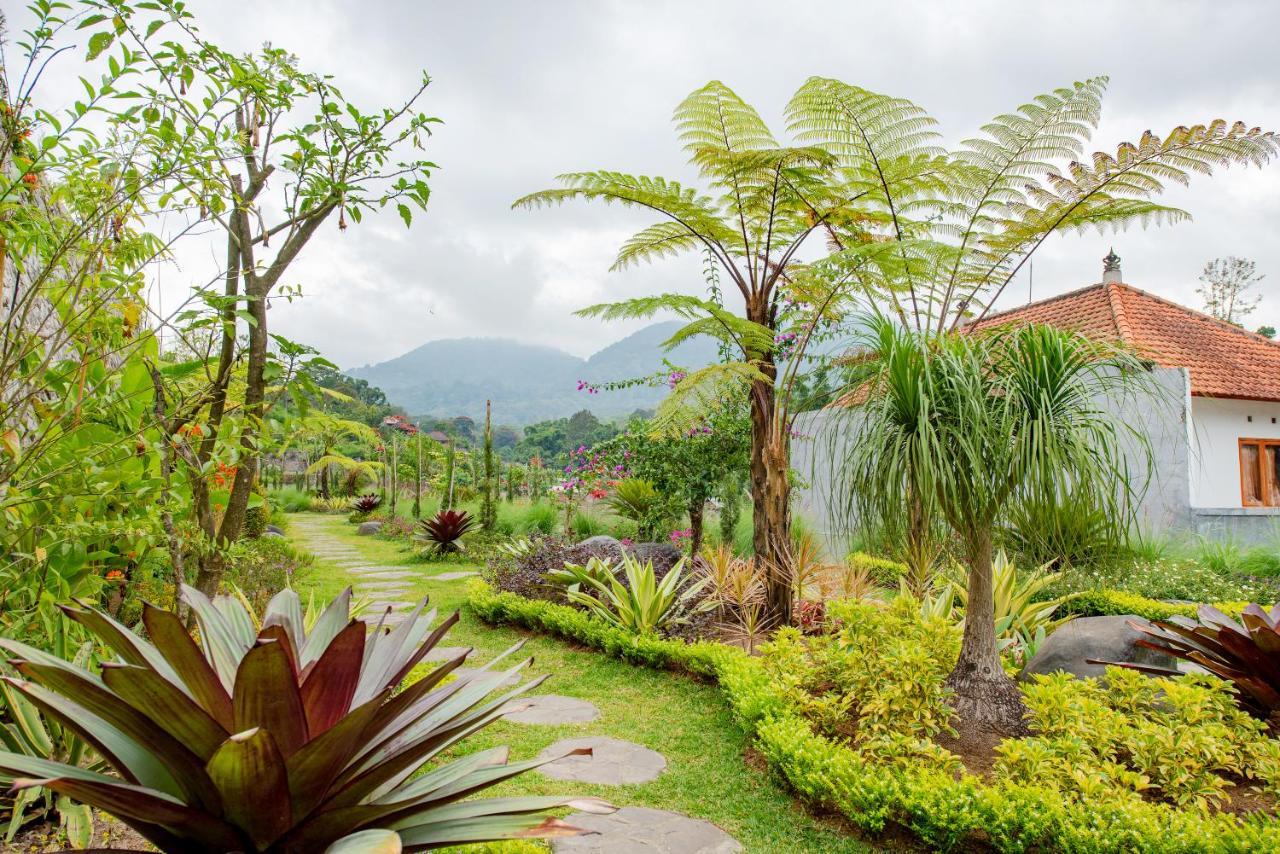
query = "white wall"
{"x": 1215, "y": 450}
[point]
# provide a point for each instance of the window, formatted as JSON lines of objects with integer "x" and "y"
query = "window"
{"x": 1260, "y": 472}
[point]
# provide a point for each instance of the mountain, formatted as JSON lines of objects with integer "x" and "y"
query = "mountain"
{"x": 527, "y": 382}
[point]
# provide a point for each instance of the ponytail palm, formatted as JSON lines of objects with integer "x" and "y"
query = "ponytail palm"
{"x": 951, "y": 429}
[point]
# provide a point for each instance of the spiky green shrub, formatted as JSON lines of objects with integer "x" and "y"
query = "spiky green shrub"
{"x": 638, "y": 602}
{"x": 280, "y": 739}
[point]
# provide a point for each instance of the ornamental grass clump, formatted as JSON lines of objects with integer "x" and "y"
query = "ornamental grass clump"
{"x": 280, "y": 739}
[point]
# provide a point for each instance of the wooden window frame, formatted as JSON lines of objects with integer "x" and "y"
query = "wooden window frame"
{"x": 1264, "y": 476}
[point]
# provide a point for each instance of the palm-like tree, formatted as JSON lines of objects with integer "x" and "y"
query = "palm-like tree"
{"x": 931, "y": 236}
{"x": 950, "y": 429}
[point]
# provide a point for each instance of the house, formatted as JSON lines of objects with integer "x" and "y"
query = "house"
{"x": 1212, "y": 418}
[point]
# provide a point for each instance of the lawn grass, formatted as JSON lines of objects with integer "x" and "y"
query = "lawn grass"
{"x": 687, "y": 721}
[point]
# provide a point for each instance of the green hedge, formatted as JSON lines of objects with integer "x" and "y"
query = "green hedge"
{"x": 943, "y": 811}
{"x": 1106, "y": 603}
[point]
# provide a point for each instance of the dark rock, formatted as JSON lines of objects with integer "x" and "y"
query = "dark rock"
{"x": 663, "y": 555}
{"x": 274, "y": 529}
{"x": 602, "y": 546}
{"x": 1086, "y": 639}
{"x": 368, "y": 529}
{"x": 274, "y": 535}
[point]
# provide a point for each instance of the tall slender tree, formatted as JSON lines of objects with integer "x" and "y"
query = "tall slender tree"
{"x": 489, "y": 500}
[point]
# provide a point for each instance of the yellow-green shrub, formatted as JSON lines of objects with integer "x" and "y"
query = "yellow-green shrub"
{"x": 1134, "y": 735}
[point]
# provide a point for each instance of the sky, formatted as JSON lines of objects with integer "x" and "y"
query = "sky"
{"x": 528, "y": 90}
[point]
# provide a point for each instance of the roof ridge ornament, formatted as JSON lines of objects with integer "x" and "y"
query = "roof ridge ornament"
{"x": 1111, "y": 268}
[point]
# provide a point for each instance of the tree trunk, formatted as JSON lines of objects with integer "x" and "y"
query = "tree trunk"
{"x": 770, "y": 501}
{"x": 985, "y": 699}
{"x": 696, "y": 509}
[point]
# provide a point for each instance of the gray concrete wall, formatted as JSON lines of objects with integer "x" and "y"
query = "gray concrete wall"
{"x": 1161, "y": 412}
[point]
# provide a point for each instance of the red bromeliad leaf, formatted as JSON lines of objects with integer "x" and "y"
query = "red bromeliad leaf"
{"x": 162, "y": 702}
{"x": 266, "y": 696}
{"x": 250, "y": 772}
{"x": 331, "y": 683}
{"x": 174, "y": 643}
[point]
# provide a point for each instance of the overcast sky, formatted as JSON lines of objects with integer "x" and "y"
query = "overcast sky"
{"x": 528, "y": 90}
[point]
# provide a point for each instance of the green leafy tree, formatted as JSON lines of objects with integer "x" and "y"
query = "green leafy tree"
{"x": 932, "y": 236}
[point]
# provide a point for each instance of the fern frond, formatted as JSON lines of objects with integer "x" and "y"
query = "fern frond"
{"x": 664, "y": 239}
{"x": 715, "y": 118}
{"x": 703, "y": 391}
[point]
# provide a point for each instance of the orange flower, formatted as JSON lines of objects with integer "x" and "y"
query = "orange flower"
{"x": 115, "y": 575}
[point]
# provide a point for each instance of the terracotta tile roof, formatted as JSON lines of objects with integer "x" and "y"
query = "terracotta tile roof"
{"x": 1223, "y": 360}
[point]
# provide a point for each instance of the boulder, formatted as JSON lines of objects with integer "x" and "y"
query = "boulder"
{"x": 275, "y": 529}
{"x": 274, "y": 535}
{"x": 602, "y": 546}
{"x": 368, "y": 529}
{"x": 1076, "y": 643}
{"x": 663, "y": 555}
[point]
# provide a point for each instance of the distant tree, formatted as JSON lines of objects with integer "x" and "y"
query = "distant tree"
{"x": 1267, "y": 331}
{"x": 465, "y": 427}
{"x": 505, "y": 437}
{"x": 489, "y": 497}
{"x": 1227, "y": 289}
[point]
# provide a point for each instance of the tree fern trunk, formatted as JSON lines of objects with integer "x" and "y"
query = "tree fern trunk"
{"x": 770, "y": 499}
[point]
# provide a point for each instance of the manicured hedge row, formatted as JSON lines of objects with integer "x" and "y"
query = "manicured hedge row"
{"x": 942, "y": 811}
{"x": 1104, "y": 603}
{"x": 701, "y": 659}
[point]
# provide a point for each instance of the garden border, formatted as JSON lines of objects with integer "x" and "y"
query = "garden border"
{"x": 941, "y": 810}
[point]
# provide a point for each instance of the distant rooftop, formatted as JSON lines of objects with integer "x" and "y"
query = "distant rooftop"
{"x": 1223, "y": 360}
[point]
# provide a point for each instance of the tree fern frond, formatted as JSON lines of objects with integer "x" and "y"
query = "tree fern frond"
{"x": 700, "y": 392}
{"x": 715, "y": 118}
{"x": 728, "y": 328}
{"x": 661, "y": 240}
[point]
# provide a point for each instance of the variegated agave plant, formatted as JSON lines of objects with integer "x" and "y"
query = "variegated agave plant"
{"x": 276, "y": 739}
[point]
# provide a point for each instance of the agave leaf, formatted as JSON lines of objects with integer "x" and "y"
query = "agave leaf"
{"x": 94, "y": 696}
{"x": 387, "y": 653}
{"x": 506, "y": 806}
{"x": 142, "y": 804}
{"x": 238, "y": 617}
{"x": 486, "y": 829}
{"x": 425, "y": 647}
{"x": 314, "y": 768}
{"x": 331, "y": 621}
{"x": 222, "y": 645}
{"x": 330, "y": 685}
{"x": 285, "y": 610}
{"x": 194, "y": 672}
{"x": 131, "y": 648}
{"x": 250, "y": 772}
{"x": 266, "y": 696}
{"x": 375, "y": 841}
{"x": 134, "y": 762}
{"x": 407, "y": 706}
{"x": 170, "y": 709}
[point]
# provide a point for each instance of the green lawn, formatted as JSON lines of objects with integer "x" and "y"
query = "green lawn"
{"x": 707, "y": 774}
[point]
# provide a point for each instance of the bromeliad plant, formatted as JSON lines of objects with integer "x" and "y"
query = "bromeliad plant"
{"x": 639, "y": 604}
{"x": 443, "y": 532}
{"x": 367, "y": 503}
{"x": 280, "y": 740}
{"x": 1245, "y": 653}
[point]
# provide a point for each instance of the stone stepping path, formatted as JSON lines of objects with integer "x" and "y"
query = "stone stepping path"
{"x": 640, "y": 830}
{"x": 511, "y": 681}
{"x": 552, "y": 709}
{"x": 630, "y": 830}
{"x": 445, "y": 653}
{"x": 613, "y": 762}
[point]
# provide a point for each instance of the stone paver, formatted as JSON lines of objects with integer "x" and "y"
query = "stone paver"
{"x": 451, "y": 576}
{"x": 379, "y": 607}
{"x": 377, "y": 573}
{"x": 551, "y": 709}
{"x": 445, "y": 653}
{"x": 612, "y": 761}
{"x": 380, "y": 585}
{"x": 468, "y": 672}
{"x": 640, "y": 830}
